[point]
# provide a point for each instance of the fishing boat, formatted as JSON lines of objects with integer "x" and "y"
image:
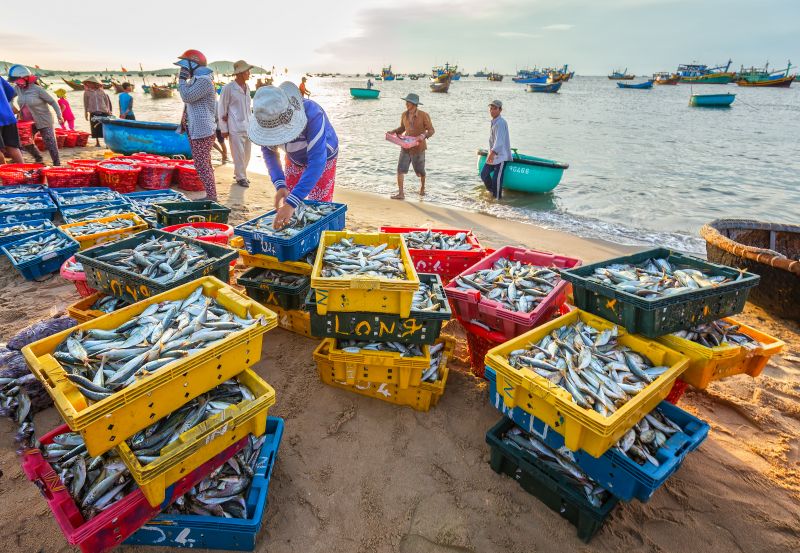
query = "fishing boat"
{"x": 365, "y": 93}
{"x": 703, "y": 74}
{"x": 766, "y": 78}
{"x": 413, "y": 77}
{"x": 638, "y": 86}
{"x": 482, "y": 74}
{"x": 399, "y": 78}
{"x": 523, "y": 173}
{"x": 441, "y": 84}
{"x": 386, "y": 74}
{"x": 445, "y": 70}
{"x": 146, "y": 88}
{"x": 618, "y": 75}
{"x": 769, "y": 250}
{"x": 530, "y": 76}
{"x": 711, "y": 100}
{"x": 158, "y": 92}
{"x": 496, "y": 77}
{"x": 129, "y": 137}
{"x": 378, "y": 78}
{"x": 562, "y": 74}
{"x": 551, "y": 88}
{"x": 665, "y": 78}
{"x": 73, "y": 84}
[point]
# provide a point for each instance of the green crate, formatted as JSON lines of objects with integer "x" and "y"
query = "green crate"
{"x": 654, "y": 317}
{"x": 132, "y": 287}
{"x": 174, "y": 213}
{"x": 287, "y": 297}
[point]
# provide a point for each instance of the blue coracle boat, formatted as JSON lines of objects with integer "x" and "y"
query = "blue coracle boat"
{"x": 712, "y": 100}
{"x": 639, "y": 86}
{"x": 552, "y": 88}
{"x": 533, "y": 175}
{"x": 129, "y": 137}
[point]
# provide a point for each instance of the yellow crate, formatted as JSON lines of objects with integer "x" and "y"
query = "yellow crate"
{"x": 91, "y": 240}
{"x": 420, "y": 398}
{"x": 199, "y": 444}
{"x": 378, "y": 366}
{"x": 582, "y": 428}
{"x": 267, "y": 261}
{"x": 293, "y": 320}
{"x": 709, "y": 364}
{"x": 107, "y": 423}
{"x": 80, "y": 309}
{"x": 364, "y": 293}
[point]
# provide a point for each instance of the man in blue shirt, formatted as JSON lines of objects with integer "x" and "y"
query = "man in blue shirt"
{"x": 126, "y": 102}
{"x": 499, "y": 151}
{"x": 9, "y": 136}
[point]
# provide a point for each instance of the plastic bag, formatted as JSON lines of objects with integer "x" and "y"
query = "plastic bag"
{"x": 40, "y": 330}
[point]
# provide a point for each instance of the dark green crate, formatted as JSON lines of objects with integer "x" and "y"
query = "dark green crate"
{"x": 654, "y": 317}
{"x": 420, "y": 327}
{"x": 132, "y": 287}
{"x": 550, "y": 487}
{"x": 175, "y": 213}
{"x": 287, "y": 297}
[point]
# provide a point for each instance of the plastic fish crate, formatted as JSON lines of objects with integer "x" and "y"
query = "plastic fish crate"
{"x": 582, "y": 428}
{"x": 421, "y": 397}
{"x": 445, "y": 263}
{"x": 294, "y": 248}
{"x": 173, "y": 213}
{"x": 62, "y": 195}
{"x": 479, "y": 342}
{"x": 113, "y": 279}
{"x": 48, "y": 212}
{"x": 378, "y": 366}
{"x": 659, "y": 316}
{"x": 547, "y": 485}
{"x": 107, "y": 530}
{"x": 224, "y": 232}
{"x": 202, "y": 442}
{"x": 472, "y": 305}
{"x": 617, "y": 473}
{"x": 209, "y": 532}
{"x": 41, "y": 224}
{"x": 293, "y": 320}
{"x": 268, "y": 261}
{"x": 91, "y": 211}
{"x": 420, "y": 327}
{"x": 353, "y": 293}
{"x": 80, "y": 310}
{"x": 43, "y": 264}
{"x": 709, "y": 364}
{"x": 287, "y": 297}
{"x": 104, "y": 237}
{"x": 78, "y": 278}
{"x": 107, "y": 423}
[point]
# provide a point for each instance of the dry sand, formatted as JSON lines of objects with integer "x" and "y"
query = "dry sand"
{"x": 354, "y": 474}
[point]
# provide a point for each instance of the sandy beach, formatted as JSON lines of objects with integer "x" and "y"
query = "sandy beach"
{"x": 357, "y": 475}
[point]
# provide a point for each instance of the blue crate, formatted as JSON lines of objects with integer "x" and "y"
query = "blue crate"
{"x": 161, "y": 195}
{"x": 207, "y": 532}
{"x": 60, "y": 194}
{"x": 296, "y": 247}
{"x": 23, "y": 188}
{"x": 620, "y": 475}
{"x": 42, "y": 224}
{"x": 70, "y": 214}
{"x": 43, "y": 264}
{"x": 29, "y": 214}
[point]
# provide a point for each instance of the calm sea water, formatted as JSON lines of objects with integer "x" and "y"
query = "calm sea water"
{"x": 645, "y": 168}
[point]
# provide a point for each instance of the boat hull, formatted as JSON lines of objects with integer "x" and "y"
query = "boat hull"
{"x": 551, "y": 88}
{"x": 530, "y": 80}
{"x": 718, "y": 78}
{"x": 712, "y": 100}
{"x": 526, "y": 177}
{"x": 782, "y": 82}
{"x": 129, "y": 137}
{"x": 365, "y": 93}
{"x": 640, "y": 86}
{"x": 74, "y": 85}
{"x": 621, "y": 77}
{"x": 160, "y": 92}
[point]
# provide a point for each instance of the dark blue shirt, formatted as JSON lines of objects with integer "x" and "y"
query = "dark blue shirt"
{"x": 7, "y": 92}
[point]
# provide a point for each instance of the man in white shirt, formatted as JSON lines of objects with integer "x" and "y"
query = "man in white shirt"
{"x": 234, "y": 118}
{"x": 499, "y": 151}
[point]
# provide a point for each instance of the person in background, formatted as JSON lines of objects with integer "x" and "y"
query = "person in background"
{"x": 66, "y": 109}
{"x": 303, "y": 90}
{"x": 35, "y": 102}
{"x": 220, "y": 146}
{"x": 259, "y": 83}
{"x": 283, "y": 119}
{"x": 369, "y": 83}
{"x": 413, "y": 122}
{"x": 233, "y": 110}
{"x": 9, "y": 135}
{"x": 199, "y": 119}
{"x": 96, "y": 104}
{"x": 126, "y": 102}
{"x": 499, "y": 151}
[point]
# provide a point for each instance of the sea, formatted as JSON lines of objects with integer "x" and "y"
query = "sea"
{"x": 645, "y": 168}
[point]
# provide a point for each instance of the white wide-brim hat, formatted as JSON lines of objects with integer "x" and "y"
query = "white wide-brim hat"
{"x": 278, "y": 115}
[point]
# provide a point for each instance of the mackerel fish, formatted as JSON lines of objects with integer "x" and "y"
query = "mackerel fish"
{"x": 9, "y": 205}
{"x": 37, "y": 245}
{"x": 143, "y": 205}
{"x": 590, "y": 365}
{"x": 195, "y": 232}
{"x": 102, "y": 362}
{"x": 348, "y": 258}
{"x": 517, "y": 286}
{"x": 74, "y": 266}
{"x": 432, "y": 373}
{"x": 22, "y": 188}
{"x": 356, "y": 346}
{"x": 66, "y": 200}
{"x": 93, "y": 227}
{"x": 108, "y": 304}
{"x": 79, "y": 215}
{"x": 426, "y": 299}
{"x": 432, "y": 240}
{"x": 719, "y": 332}
{"x": 305, "y": 215}
{"x": 280, "y": 278}
{"x": 19, "y": 228}
{"x": 641, "y": 442}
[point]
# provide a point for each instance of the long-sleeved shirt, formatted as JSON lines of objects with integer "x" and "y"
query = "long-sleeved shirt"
{"x": 499, "y": 140}
{"x": 416, "y": 125}
{"x": 315, "y": 146}
{"x": 66, "y": 109}
{"x": 7, "y": 93}
{"x": 96, "y": 101}
{"x": 200, "y": 98}
{"x": 233, "y": 108}
{"x": 37, "y": 101}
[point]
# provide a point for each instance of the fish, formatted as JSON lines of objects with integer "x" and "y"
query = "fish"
{"x": 717, "y": 333}
{"x": 432, "y": 373}
{"x": 655, "y": 278}
{"x": 74, "y": 199}
{"x": 73, "y": 266}
{"x": 272, "y": 277}
{"x": 19, "y": 228}
{"x": 433, "y": 240}
{"x": 304, "y": 215}
{"x": 356, "y": 346}
{"x": 22, "y": 204}
{"x": 93, "y": 227}
{"x": 196, "y": 232}
{"x": 143, "y": 205}
{"x": 37, "y": 246}
{"x": 79, "y": 215}
{"x": 426, "y": 299}
{"x": 642, "y": 442}
{"x": 345, "y": 258}
{"x": 108, "y": 304}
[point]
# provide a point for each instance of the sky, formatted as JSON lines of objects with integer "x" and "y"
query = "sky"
{"x": 348, "y": 36}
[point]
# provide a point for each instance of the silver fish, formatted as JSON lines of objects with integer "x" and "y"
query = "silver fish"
{"x": 355, "y": 346}
{"x": 432, "y": 240}
{"x": 655, "y": 277}
{"x": 347, "y": 258}
{"x": 37, "y": 245}
{"x": 93, "y": 227}
{"x": 29, "y": 226}
{"x": 305, "y": 214}
{"x": 73, "y": 199}
{"x": 719, "y": 332}
{"x": 79, "y": 215}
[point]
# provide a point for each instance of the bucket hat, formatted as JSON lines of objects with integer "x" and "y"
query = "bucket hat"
{"x": 241, "y": 66}
{"x": 278, "y": 115}
{"x": 413, "y": 98}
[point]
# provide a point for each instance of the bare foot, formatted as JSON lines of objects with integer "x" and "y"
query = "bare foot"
{"x": 398, "y": 197}
{"x": 422, "y": 191}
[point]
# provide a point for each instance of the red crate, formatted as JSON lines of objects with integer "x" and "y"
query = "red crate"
{"x": 25, "y": 130}
{"x": 480, "y": 341}
{"x": 223, "y": 237}
{"x": 61, "y": 139}
{"x": 87, "y": 164}
{"x": 39, "y": 141}
{"x": 470, "y": 304}
{"x": 114, "y": 525}
{"x": 71, "y": 140}
{"x": 83, "y": 139}
{"x": 68, "y": 177}
{"x": 120, "y": 176}
{"x": 188, "y": 179}
{"x": 156, "y": 175}
{"x": 21, "y": 173}
{"x": 445, "y": 263}
{"x": 677, "y": 391}
{"x": 78, "y": 279}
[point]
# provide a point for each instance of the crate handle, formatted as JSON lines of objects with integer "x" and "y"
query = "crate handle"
{"x": 196, "y": 219}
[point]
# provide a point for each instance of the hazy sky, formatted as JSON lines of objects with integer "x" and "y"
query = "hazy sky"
{"x": 350, "y": 36}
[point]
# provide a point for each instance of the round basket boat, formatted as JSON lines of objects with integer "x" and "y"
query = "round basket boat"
{"x": 534, "y": 175}
{"x": 768, "y": 249}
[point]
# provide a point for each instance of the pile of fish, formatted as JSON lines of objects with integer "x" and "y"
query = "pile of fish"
{"x": 117, "y": 166}
{"x": 517, "y": 286}
{"x": 66, "y": 200}
{"x": 102, "y": 362}
{"x": 73, "y": 266}
{"x": 305, "y": 215}
{"x": 279, "y": 278}
{"x": 148, "y": 443}
{"x": 598, "y": 373}
{"x": 717, "y": 333}
{"x": 356, "y": 346}
{"x": 426, "y": 299}
{"x": 160, "y": 259}
{"x": 431, "y": 240}
{"x": 88, "y": 213}
{"x": 655, "y": 278}
{"x": 143, "y": 205}
{"x": 37, "y": 245}
{"x": 641, "y": 442}
{"x": 432, "y": 374}
{"x": 108, "y": 304}
{"x": 345, "y": 257}
{"x": 196, "y": 232}
{"x": 93, "y": 227}
{"x": 23, "y": 188}
{"x": 23, "y": 203}
{"x": 223, "y": 493}
{"x": 19, "y": 228}
{"x": 557, "y": 461}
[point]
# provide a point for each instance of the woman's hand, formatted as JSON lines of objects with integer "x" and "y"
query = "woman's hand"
{"x": 280, "y": 197}
{"x": 283, "y": 216}
{"x": 61, "y": 121}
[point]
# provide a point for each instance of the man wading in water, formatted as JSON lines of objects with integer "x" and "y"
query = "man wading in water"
{"x": 499, "y": 151}
{"x": 416, "y": 123}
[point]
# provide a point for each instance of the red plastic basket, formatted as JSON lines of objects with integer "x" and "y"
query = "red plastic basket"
{"x": 188, "y": 179}
{"x": 119, "y": 175}
{"x": 83, "y": 139}
{"x": 156, "y": 175}
{"x": 21, "y": 173}
{"x": 87, "y": 164}
{"x": 114, "y": 525}
{"x": 470, "y": 304}
{"x": 71, "y": 140}
{"x": 25, "y": 130}
{"x": 479, "y": 341}
{"x": 68, "y": 177}
{"x": 77, "y": 278}
{"x": 677, "y": 391}
{"x": 61, "y": 139}
{"x": 39, "y": 141}
{"x": 143, "y": 156}
{"x": 224, "y": 232}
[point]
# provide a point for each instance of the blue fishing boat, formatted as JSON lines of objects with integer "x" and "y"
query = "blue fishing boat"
{"x": 530, "y": 76}
{"x": 386, "y": 74}
{"x": 638, "y": 86}
{"x": 364, "y": 93}
{"x": 549, "y": 87}
{"x": 129, "y": 137}
{"x": 712, "y": 100}
{"x": 533, "y": 175}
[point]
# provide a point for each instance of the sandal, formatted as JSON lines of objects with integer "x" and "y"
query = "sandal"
{"x": 398, "y": 197}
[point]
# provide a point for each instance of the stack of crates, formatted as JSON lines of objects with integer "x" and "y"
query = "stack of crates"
{"x": 376, "y": 311}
